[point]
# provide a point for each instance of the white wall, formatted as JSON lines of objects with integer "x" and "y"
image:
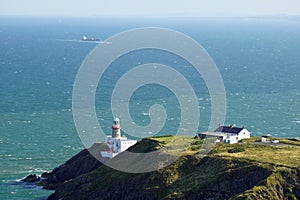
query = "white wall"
{"x": 244, "y": 134}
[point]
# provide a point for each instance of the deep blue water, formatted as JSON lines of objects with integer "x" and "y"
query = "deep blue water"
{"x": 39, "y": 59}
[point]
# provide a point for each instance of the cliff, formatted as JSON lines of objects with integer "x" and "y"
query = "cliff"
{"x": 79, "y": 164}
{"x": 241, "y": 171}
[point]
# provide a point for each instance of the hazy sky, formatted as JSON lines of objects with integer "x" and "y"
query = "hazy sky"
{"x": 154, "y": 8}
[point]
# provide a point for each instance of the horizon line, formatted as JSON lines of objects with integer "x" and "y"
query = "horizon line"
{"x": 155, "y": 17}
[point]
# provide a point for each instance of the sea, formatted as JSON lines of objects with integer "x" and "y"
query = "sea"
{"x": 258, "y": 59}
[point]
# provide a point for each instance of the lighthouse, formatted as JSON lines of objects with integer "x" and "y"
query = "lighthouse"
{"x": 116, "y": 143}
{"x": 116, "y": 129}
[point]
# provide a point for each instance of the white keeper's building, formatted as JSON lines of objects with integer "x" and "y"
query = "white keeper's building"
{"x": 227, "y": 134}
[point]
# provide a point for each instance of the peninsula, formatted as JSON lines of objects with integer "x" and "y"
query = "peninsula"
{"x": 248, "y": 169}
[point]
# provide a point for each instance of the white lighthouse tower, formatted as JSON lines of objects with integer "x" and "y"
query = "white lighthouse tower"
{"x": 116, "y": 129}
{"x": 116, "y": 143}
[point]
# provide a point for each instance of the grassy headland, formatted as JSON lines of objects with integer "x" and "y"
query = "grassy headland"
{"x": 247, "y": 170}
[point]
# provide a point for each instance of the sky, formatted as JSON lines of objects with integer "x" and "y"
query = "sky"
{"x": 150, "y": 8}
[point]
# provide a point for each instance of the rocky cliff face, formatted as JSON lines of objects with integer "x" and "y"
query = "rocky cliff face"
{"x": 78, "y": 165}
{"x": 192, "y": 176}
{"x": 188, "y": 178}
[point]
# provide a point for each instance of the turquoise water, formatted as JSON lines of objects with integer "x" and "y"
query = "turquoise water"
{"x": 39, "y": 59}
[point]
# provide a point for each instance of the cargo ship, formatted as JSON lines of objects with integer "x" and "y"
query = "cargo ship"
{"x": 92, "y": 39}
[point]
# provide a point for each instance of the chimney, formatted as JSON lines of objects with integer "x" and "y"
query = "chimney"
{"x": 231, "y": 125}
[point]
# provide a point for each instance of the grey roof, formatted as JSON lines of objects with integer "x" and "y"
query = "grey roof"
{"x": 212, "y": 134}
{"x": 229, "y": 129}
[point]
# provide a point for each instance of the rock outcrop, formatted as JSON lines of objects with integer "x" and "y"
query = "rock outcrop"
{"x": 32, "y": 178}
{"x": 79, "y": 164}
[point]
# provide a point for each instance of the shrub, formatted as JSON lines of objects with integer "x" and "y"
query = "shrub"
{"x": 197, "y": 142}
{"x": 214, "y": 151}
{"x": 236, "y": 150}
{"x": 195, "y": 148}
{"x": 294, "y": 139}
{"x": 291, "y": 196}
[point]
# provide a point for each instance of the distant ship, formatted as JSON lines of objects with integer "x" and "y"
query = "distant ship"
{"x": 92, "y": 39}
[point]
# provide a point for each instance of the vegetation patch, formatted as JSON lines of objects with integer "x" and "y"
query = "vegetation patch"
{"x": 236, "y": 150}
{"x": 292, "y": 141}
{"x": 279, "y": 155}
{"x": 278, "y": 185}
